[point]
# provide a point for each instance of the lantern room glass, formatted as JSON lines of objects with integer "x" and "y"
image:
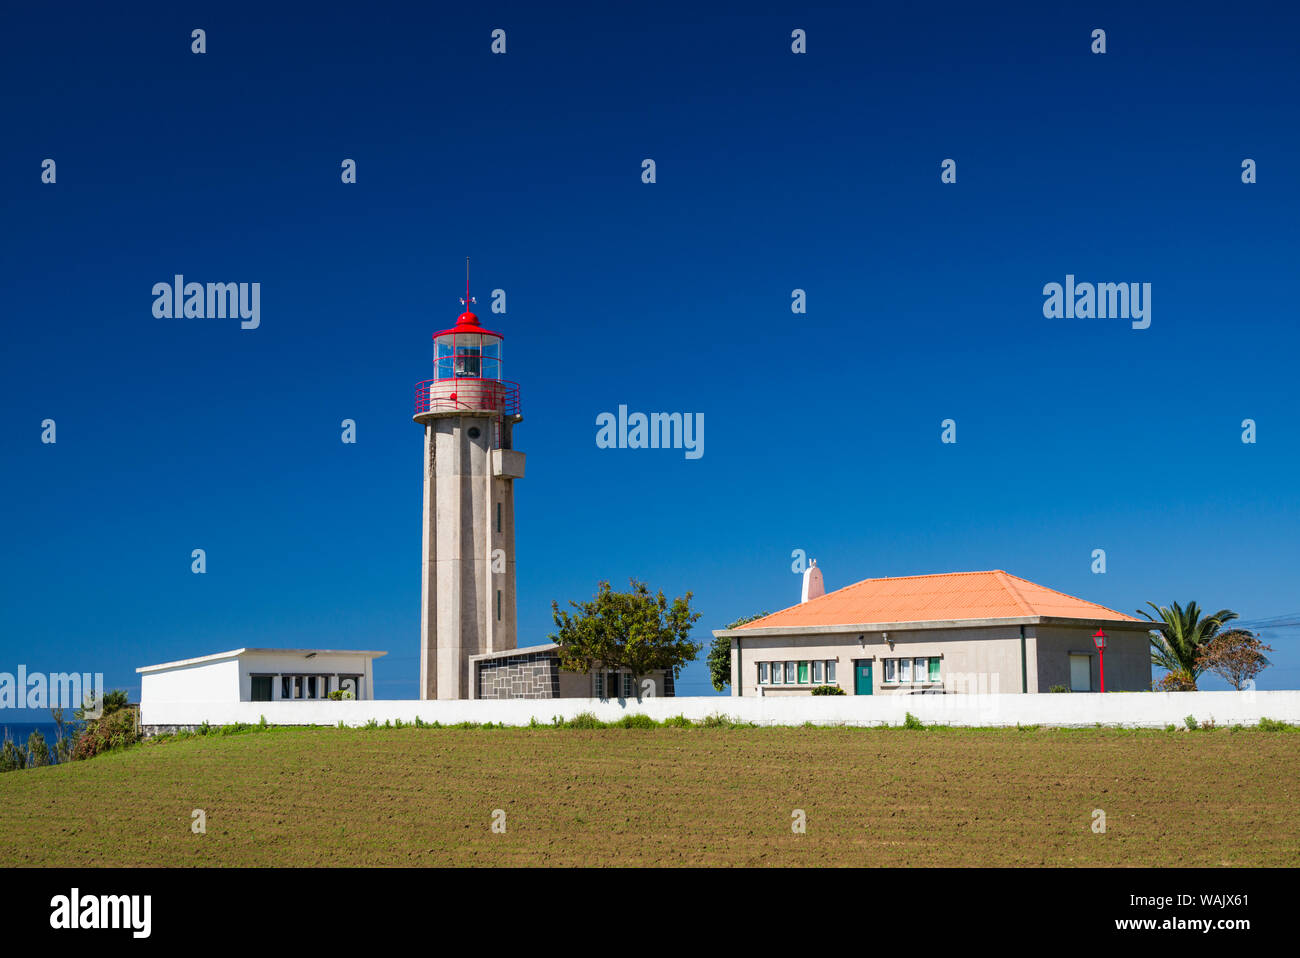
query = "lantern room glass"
{"x": 467, "y": 356}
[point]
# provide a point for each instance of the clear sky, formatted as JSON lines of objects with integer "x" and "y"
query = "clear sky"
{"x": 775, "y": 172}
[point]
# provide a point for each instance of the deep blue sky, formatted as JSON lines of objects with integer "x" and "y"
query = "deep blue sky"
{"x": 775, "y": 171}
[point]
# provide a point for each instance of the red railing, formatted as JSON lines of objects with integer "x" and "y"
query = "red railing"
{"x": 449, "y": 395}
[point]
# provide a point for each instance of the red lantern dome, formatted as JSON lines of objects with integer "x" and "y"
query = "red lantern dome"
{"x": 467, "y": 371}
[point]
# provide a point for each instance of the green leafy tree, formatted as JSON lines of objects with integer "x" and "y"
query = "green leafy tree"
{"x": 635, "y": 630}
{"x": 38, "y": 752}
{"x": 1185, "y": 632}
{"x": 1236, "y": 656}
{"x": 720, "y": 653}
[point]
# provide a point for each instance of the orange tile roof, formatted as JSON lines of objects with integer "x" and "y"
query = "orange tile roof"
{"x": 929, "y": 598}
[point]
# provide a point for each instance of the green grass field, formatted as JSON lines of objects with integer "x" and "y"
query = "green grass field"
{"x": 668, "y": 796}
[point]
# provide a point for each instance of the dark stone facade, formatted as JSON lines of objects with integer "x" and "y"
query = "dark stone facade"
{"x": 533, "y": 675}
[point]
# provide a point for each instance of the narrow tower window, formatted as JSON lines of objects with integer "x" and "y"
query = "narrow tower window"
{"x": 498, "y": 605}
{"x": 498, "y": 517}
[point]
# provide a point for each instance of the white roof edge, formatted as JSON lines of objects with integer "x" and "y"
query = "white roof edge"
{"x": 525, "y": 650}
{"x": 236, "y": 653}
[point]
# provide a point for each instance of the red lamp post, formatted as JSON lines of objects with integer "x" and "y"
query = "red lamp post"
{"x": 1099, "y": 640}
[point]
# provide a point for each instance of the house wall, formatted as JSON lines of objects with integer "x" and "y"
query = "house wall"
{"x": 1128, "y": 657}
{"x": 231, "y": 680}
{"x": 538, "y": 675}
{"x": 583, "y": 685}
{"x": 319, "y": 664}
{"x": 983, "y": 659}
{"x": 217, "y": 681}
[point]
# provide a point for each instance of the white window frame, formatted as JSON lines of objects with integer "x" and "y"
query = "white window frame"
{"x": 791, "y": 673}
{"x": 891, "y": 670}
{"x": 921, "y": 669}
{"x": 762, "y": 673}
{"x": 818, "y": 672}
{"x": 830, "y": 671}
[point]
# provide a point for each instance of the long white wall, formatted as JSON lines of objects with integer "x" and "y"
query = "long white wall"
{"x": 1132, "y": 709}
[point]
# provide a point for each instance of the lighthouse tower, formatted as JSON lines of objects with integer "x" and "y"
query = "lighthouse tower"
{"x": 467, "y": 598}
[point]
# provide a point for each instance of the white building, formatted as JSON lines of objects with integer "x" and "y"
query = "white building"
{"x": 260, "y": 675}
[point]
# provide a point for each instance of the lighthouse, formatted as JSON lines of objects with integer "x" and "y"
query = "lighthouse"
{"x": 467, "y": 596}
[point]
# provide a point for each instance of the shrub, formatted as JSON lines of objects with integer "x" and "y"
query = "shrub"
{"x": 1191, "y": 723}
{"x": 114, "y": 730}
{"x": 1060, "y": 688}
{"x": 583, "y": 720}
{"x": 341, "y": 695}
{"x": 637, "y": 721}
{"x": 827, "y": 690}
{"x": 717, "y": 721}
{"x": 12, "y": 758}
{"x": 1272, "y": 725}
{"x": 1175, "y": 682}
{"x": 911, "y": 721}
{"x": 38, "y": 752}
{"x": 678, "y": 721}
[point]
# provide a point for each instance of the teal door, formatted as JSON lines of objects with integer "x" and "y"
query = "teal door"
{"x": 861, "y": 678}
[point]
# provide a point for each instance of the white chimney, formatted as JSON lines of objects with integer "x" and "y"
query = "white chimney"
{"x": 812, "y": 583}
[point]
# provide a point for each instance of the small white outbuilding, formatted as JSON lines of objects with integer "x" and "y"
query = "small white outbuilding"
{"x": 260, "y": 675}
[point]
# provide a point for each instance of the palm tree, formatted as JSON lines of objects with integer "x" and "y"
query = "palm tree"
{"x": 1183, "y": 635}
